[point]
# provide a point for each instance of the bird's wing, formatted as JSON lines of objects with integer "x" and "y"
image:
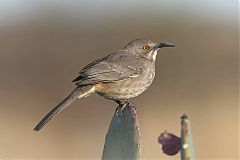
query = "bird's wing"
{"x": 112, "y": 68}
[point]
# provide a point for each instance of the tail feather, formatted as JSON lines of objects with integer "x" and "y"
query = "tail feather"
{"x": 76, "y": 93}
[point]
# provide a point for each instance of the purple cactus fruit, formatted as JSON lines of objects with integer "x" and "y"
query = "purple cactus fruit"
{"x": 170, "y": 143}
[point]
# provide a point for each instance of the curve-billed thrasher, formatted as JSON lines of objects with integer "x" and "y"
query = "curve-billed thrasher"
{"x": 119, "y": 76}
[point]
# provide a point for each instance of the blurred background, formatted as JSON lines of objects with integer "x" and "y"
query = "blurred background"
{"x": 44, "y": 44}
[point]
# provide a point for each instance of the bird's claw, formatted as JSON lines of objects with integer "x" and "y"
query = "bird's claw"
{"x": 122, "y": 105}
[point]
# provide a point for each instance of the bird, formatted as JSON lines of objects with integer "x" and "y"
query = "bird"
{"x": 119, "y": 76}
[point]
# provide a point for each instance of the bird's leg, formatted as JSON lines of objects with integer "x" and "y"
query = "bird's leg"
{"x": 122, "y": 104}
{"x": 130, "y": 103}
{"x": 131, "y": 107}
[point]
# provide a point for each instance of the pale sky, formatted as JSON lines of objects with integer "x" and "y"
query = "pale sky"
{"x": 13, "y": 10}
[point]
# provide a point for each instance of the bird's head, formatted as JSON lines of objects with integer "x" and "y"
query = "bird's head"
{"x": 146, "y": 48}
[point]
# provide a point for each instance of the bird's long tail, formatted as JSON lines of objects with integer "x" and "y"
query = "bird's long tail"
{"x": 78, "y": 92}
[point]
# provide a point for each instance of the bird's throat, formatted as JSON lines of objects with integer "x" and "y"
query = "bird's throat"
{"x": 154, "y": 54}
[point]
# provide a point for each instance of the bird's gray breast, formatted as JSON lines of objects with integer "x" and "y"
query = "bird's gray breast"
{"x": 131, "y": 87}
{"x": 142, "y": 82}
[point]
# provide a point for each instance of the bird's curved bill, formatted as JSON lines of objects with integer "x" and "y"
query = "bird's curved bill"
{"x": 164, "y": 44}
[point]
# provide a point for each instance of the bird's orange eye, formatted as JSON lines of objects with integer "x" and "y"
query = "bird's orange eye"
{"x": 146, "y": 47}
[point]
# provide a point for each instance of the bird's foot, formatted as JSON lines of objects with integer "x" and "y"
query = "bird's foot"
{"x": 122, "y": 104}
{"x": 119, "y": 109}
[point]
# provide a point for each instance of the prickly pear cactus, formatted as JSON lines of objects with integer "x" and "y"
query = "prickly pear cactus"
{"x": 122, "y": 141}
{"x": 187, "y": 150}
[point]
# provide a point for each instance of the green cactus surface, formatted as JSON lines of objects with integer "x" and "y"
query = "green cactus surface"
{"x": 186, "y": 147}
{"x": 122, "y": 141}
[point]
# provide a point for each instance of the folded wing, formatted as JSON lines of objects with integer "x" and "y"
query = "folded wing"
{"x": 112, "y": 68}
